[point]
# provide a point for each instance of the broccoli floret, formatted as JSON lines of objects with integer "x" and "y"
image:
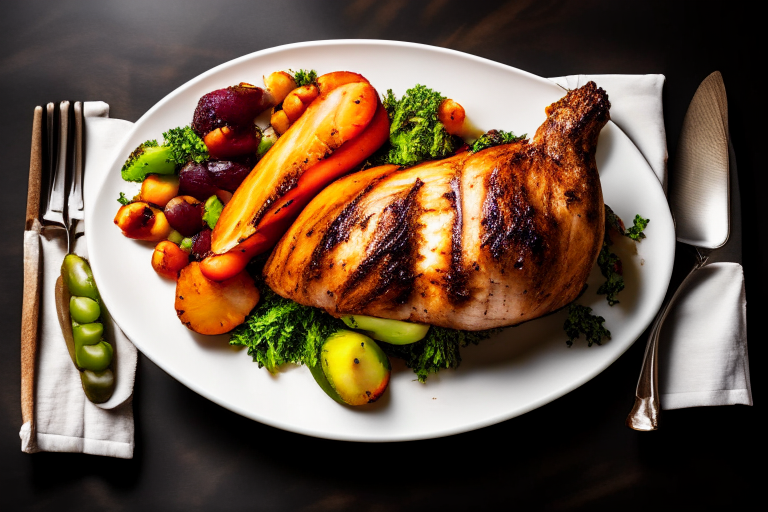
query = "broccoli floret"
{"x": 495, "y": 138}
{"x": 180, "y": 145}
{"x": 415, "y": 133}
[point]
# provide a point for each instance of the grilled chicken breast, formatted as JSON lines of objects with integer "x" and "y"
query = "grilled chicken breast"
{"x": 471, "y": 242}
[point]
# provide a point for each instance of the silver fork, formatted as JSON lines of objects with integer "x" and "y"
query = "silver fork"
{"x": 64, "y": 208}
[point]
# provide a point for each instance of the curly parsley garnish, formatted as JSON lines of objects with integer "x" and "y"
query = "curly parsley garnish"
{"x": 581, "y": 321}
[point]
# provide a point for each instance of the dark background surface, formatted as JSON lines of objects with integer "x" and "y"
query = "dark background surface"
{"x": 572, "y": 454}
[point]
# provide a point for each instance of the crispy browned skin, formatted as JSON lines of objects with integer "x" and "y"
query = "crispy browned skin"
{"x": 470, "y": 242}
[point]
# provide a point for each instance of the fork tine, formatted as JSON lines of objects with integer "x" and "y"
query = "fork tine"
{"x": 55, "y": 209}
{"x": 75, "y": 205}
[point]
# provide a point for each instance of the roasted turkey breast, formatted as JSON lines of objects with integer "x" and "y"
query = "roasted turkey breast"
{"x": 471, "y": 242}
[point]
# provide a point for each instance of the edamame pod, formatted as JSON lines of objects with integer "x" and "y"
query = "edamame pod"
{"x": 84, "y": 310}
{"x": 98, "y": 386}
{"x": 79, "y": 308}
{"x": 78, "y": 277}
{"x": 95, "y": 357}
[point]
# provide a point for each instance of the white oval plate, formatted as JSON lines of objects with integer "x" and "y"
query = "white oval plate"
{"x": 520, "y": 369}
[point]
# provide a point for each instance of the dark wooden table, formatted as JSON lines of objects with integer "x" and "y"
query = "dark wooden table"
{"x": 572, "y": 454}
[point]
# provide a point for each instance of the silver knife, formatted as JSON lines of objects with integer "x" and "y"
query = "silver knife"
{"x": 699, "y": 200}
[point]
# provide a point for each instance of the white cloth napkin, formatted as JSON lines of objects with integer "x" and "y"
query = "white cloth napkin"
{"x": 65, "y": 420}
{"x": 703, "y": 356}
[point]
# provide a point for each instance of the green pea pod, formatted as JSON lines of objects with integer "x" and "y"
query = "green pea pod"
{"x": 78, "y": 306}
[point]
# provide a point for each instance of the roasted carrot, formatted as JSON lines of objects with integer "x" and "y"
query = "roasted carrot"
{"x": 331, "y": 120}
{"x": 283, "y": 211}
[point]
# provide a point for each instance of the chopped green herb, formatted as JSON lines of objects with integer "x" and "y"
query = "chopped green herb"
{"x": 185, "y": 146}
{"x": 609, "y": 262}
{"x": 636, "y": 231}
{"x": 123, "y": 200}
{"x": 280, "y": 331}
{"x": 495, "y": 138}
{"x": 304, "y": 77}
{"x": 581, "y": 320}
{"x": 611, "y": 268}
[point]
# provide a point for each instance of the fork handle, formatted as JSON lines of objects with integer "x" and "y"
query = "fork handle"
{"x": 644, "y": 415}
{"x": 31, "y": 299}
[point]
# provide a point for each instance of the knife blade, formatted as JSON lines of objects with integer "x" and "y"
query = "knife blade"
{"x": 699, "y": 200}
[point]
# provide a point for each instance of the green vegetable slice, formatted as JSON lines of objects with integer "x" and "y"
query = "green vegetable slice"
{"x": 213, "y": 208}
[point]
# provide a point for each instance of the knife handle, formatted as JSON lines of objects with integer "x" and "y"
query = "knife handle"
{"x": 30, "y": 306}
{"x": 644, "y": 415}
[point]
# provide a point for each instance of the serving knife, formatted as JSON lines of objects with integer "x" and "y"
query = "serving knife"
{"x": 699, "y": 200}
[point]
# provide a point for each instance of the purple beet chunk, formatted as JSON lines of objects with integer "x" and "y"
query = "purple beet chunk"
{"x": 201, "y": 244}
{"x": 196, "y": 181}
{"x": 235, "y": 106}
{"x": 227, "y": 175}
{"x": 184, "y": 217}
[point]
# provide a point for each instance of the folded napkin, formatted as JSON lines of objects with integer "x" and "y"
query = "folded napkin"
{"x": 703, "y": 356}
{"x": 64, "y": 419}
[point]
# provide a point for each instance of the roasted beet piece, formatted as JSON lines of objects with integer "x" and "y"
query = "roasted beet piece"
{"x": 228, "y": 175}
{"x": 185, "y": 215}
{"x": 196, "y": 181}
{"x": 235, "y": 106}
{"x": 201, "y": 244}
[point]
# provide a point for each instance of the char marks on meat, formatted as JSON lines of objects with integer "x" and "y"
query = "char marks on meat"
{"x": 473, "y": 242}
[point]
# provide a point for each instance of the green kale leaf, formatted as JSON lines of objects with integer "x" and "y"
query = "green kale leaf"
{"x": 440, "y": 349}
{"x": 280, "y": 331}
{"x": 581, "y": 320}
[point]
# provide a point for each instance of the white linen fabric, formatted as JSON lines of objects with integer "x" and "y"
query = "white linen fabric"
{"x": 703, "y": 356}
{"x": 65, "y": 420}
